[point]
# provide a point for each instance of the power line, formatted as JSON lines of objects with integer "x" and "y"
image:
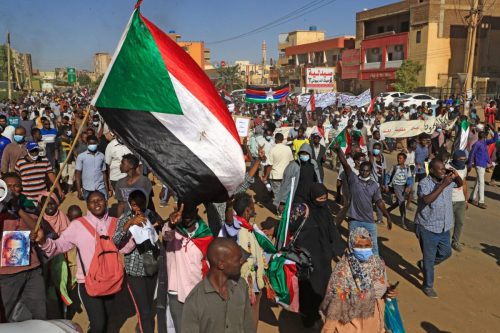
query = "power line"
{"x": 299, "y": 12}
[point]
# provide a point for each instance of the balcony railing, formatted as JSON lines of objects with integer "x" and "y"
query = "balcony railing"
{"x": 372, "y": 65}
{"x": 393, "y": 64}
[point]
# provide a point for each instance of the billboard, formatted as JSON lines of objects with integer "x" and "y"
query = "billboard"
{"x": 350, "y": 64}
{"x": 320, "y": 78}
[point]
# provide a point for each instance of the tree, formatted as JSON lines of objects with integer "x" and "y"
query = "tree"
{"x": 229, "y": 78}
{"x": 84, "y": 80}
{"x": 406, "y": 76}
{"x": 94, "y": 85}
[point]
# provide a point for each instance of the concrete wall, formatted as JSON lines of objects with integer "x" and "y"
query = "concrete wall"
{"x": 196, "y": 50}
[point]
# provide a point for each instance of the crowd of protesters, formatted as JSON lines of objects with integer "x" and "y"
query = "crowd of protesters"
{"x": 211, "y": 275}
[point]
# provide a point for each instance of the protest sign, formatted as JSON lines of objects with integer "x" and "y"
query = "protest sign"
{"x": 320, "y": 78}
{"x": 242, "y": 126}
{"x": 15, "y": 248}
{"x": 410, "y": 128}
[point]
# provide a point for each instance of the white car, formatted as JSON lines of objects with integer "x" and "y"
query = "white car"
{"x": 417, "y": 99}
{"x": 388, "y": 97}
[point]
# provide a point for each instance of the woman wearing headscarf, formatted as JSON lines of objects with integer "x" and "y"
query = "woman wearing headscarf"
{"x": 354, "y": 296}
{"x": 55, "y": 221}
{"x": 320, "y": 237}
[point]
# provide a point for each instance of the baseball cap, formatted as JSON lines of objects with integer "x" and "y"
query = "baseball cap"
{"x": 459, "y": 154}
{"x": 32, "y": 145}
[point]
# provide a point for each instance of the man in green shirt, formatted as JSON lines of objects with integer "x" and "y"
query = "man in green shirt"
{"x": 220, "y": 303}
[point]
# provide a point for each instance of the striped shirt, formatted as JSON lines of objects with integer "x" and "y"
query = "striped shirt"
{"x": 33, "y": 175}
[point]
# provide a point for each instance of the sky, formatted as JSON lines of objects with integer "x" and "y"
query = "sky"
{"x": 67, "y": 33}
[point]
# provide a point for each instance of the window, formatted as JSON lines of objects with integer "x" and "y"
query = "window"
{"x": 419, "y": 36}
{"x": 405, "y": 26}
{"x": 380, "y": 29}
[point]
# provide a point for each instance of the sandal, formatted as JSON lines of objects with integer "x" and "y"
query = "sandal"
{"x": 482, "y": 205}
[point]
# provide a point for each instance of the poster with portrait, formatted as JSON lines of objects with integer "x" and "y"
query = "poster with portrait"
{"x": 15, "y": 248}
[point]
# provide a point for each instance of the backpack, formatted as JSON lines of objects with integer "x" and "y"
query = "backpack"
{"x": 105, "y": 275}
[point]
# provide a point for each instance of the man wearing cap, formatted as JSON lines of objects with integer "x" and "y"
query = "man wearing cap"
{"x": 34, "y": 170}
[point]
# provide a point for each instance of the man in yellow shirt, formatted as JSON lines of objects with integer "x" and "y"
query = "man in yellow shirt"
{"x": 299, "y": 141}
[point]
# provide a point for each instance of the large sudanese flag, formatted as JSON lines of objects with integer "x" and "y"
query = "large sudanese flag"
{"x": 164, "y": 107}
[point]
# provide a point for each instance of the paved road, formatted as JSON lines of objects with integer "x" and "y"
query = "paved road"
{"x": 467, "y": 283}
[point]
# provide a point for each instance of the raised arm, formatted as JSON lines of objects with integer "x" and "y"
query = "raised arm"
{"x": 343, "y": 160}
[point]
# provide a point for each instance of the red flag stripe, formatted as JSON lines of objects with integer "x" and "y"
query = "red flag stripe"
{"x": 187, "y": 71}
{"x": 263, "y": 92}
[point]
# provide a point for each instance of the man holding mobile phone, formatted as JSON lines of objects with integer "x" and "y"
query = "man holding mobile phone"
{"x": 434, "y": 219}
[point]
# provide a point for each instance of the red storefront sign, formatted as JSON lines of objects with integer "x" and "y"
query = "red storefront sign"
{"x": 350, "y": 64}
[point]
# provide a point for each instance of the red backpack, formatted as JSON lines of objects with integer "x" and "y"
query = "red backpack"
{"x": 105, "y": 275}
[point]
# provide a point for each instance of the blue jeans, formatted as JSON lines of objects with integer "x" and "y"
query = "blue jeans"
{"x": 86, "y": 193}
{"x": 436, "y": 248}
{"x": 372, "y": 229}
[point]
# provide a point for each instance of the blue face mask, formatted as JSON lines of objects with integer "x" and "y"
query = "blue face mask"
{"x": 362, "y": 254}
{"x": 92, "y": 148}
{"x": 376, "y": 151}
{"x": 19, "y": 138}
{"x": 304, "y": 157}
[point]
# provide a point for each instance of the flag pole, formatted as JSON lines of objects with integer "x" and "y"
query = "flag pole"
{"x": 56, "y": 181}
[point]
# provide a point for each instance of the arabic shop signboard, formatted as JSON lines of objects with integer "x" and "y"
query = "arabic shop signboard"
{"x": 320, "y": 78}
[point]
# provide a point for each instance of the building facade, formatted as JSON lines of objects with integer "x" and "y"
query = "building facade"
{"x": 433, "y": 33}
{"x": 101, "y": 63}
{"x": 319, "y": 59}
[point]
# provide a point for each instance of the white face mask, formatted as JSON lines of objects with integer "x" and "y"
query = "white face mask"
{"x": 365, "y": 178}
{"x": 33, "y": 157}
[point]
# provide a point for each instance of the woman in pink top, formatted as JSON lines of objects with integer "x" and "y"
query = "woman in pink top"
{"x": 76, "y": 235}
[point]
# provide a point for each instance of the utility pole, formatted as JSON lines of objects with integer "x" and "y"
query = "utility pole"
{"x": 9, "y": 88}
{"x": 473, "y": 20}
{"x": 264, "y": 56}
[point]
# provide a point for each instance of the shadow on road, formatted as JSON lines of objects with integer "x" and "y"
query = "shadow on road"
{"x": 398, "y": 264}
{"x": 492, "y": 195}
{"x": 492, "y": 251}
{"x": 430, "y": 328}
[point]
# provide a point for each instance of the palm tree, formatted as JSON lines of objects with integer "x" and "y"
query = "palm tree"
{"x": 229, "y": 78}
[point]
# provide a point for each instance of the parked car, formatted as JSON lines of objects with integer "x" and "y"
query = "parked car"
{"x": 388, "y": 97}
{"x": 417, "y": 99}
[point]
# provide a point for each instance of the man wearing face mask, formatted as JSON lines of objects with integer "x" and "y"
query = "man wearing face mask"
{"x": 187, "y": 238}
{"x": 434, "y": 219}
{"x": 294, "y": 132}
{"x": 34, "y": 170}
{"x": 239, "y": 213}
{"x": 364, "y": 193}
{"x": 305, "y": 171}
{"x": 266, "y": 142}
{"x": 49, "y": 135}
{"x": 91, "y": 171}
{"x": 458, "y": 163}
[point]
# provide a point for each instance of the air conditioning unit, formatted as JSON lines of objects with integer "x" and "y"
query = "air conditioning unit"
{"x": 399, "y": 48}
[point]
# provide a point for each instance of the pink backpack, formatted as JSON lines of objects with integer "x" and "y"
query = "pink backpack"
{"x": 105, "y": 275}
